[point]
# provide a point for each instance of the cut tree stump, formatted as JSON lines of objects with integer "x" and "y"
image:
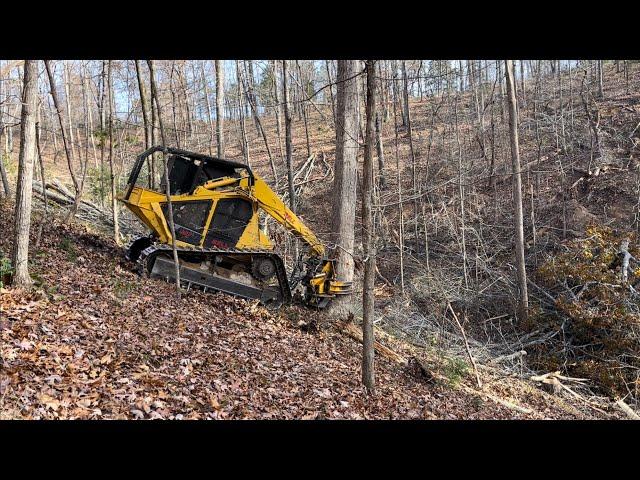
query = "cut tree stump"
{"x": 627, "y": 410}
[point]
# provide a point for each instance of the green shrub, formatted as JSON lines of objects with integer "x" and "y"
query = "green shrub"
{"x": 455, "y": 369}
{"x": 99, "y": 182}
{"x": 5, "y": 271}
{"x": 10, "y": 167}
{"x": 600, "y": 314}
{"x": 122, "y": 288}
{"x": 101, "y": 137}
{"x": 68, "y": 246}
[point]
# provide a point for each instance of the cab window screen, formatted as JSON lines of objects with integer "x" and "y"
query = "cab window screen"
{"x": 189, "y": 219}
{"x": 182, "y": 173}
{"x": 185, "y": 175}
{"x": 229, "y": 221}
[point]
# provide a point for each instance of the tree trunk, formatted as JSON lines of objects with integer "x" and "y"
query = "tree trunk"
{"x": 144, "y": 105}
{"x": 188, "y": 118}
{"x": 254, "y": 110}
{"x": 90, "y": 132}
{"x": 522, "y": 85}
{"x": 345, "y": 178}
{"x": 148, "y": 124}
{"x": 243, "y": 129}
{"x": 523, "y": 300}
{"x": 67, "y": 148}
{"x": 5, "y": 180}
{"x": 154, "y": 99}
{"x": 103, "y": 121}
{"x": 220, "y": 108}
{"x": 600, "y": 80}
{"x": 250, "y": 90}
{"x": 380, "y": 152}
{"x": 67, "y": 101}
{"x": 174, "y": 113}
{"x": 396, "y": 100}
{"x": 332, "y": 102}
{"x": 43, "y": 181}
{"x": 461, "y": 192}
{"x": 405, "y": 95}
{"x": 278, "y": 108}
{"x": 75, "y": 142}
{"x": 407, "y": 122}
{"x": 368, "y": 237}
{"x": 112, "y": 176}
{"x": 207, "y": 103}
{"x": 288, "y": 141}
{"x": 26, "y": 160}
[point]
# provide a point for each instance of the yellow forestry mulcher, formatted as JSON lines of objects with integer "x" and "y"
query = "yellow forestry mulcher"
{"x": 220, "y": 245}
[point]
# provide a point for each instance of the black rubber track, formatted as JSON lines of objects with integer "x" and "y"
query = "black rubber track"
{"x": 147, "y": 259}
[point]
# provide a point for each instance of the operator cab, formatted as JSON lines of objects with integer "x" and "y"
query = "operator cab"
{"x": 187, "y": 171}
{"x": 186, "y": 174}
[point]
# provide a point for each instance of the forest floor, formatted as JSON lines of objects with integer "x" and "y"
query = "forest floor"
{"x": 96, "y": 341}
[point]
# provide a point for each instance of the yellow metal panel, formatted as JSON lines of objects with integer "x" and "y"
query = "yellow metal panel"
{"x": 164, "y": 232}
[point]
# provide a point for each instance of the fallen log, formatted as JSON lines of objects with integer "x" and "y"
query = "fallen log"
{"x": 58, "y": 194}
{"x": 511, "y": 356}
{"x": 553, "y": 381}
{"x": 355, "y": 332}
{"x": 547, "y": 376}
{"x": 627, "y": 410}
{"x": 501, "y": 401}
{"x": 626, "y": 257}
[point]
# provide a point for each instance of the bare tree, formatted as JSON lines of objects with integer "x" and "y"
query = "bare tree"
{"x": 220, "y": 108}
{"x": 207, "y": 103}
{"x": 405, "y": 95}
{"x": 407, "y": 123}
{"x": 288, "y": 140}
{"x": 44, "y": 217}
{"x": 278, "y": 107}
{"x": 346, "y": 175}
{"x": 523, "y": 299}
{"x": 112, "y": 175}
{"x": 67, "y": 142}
{"x": 6, "y": 189}
{"x": 380, "y": 151}
{"x": 396, "y": 100}
{"x": 26, "y": 160}
{"x": 251, "y": 98}
{"x": 600, "y": 79}
{"x": 368, "y": 236}
{"x": 172, "y": 228}
{"x": 103, "y": 122}
{"x": 144, "y": 105}
{"x": 241, "y": 108}
{"x": 332, "y": 102}
{"x": 148, "y": 123}
{"x": 304, "y": 109}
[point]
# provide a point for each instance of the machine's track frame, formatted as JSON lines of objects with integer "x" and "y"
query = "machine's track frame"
{"x": 148, "y": 265}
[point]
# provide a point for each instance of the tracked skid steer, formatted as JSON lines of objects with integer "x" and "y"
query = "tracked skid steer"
{"x": 220, "y": 245}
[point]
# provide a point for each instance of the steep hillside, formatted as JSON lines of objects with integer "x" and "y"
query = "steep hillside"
{"x": 95, "y": 340}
